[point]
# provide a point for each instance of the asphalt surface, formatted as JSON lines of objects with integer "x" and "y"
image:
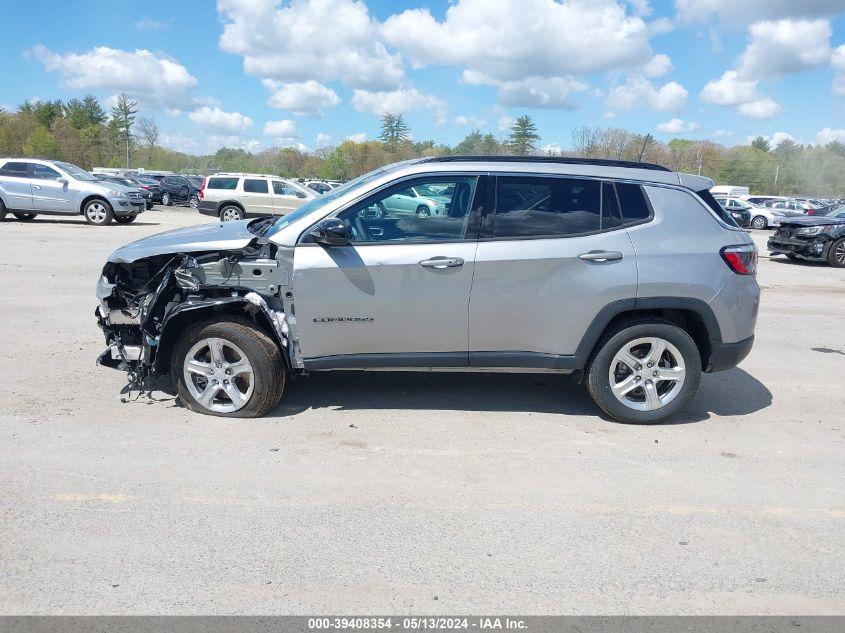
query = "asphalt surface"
{"x": 411, "y": 493}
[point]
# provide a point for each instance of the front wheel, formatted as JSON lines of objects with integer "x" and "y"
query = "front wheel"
{"x": 125, "y": 219}
{"x": 227, "y": 368}
{"x": 836, "y": 255}
{"x": 165, "y": 199}
{"x": 231, "y": 214}
{"x": 759, "y": 222}
{"x": 423, "y": 211}
{"x": 644, "y": 372}
{"x": 25, "y": 217}
{"x": 98, "y": 212}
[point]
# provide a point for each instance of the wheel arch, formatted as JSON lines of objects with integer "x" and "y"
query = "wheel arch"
{"x": 188, "y": 313}
{"x": 693, "y": 316}
{"x": 89, "y": 198}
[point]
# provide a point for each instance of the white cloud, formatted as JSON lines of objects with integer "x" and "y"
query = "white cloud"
{"x": 659, "y": 65}
{"x": 283, "y": 130}
{"x": 506, "y": 123}
{"x": 308, "y": 98}
{"x": 722, "y": 133}
{"x": 732, "y": 91}
{"x": 608, "y": 115}
{"x": 677, "y": 126}
{"x": 205, "y": 143}
{"x": 746, "y": 11}
{"x": 147, "y": 77}
{"x": 325, "y": 41}
{"x": 777, "y": 137}
{"x": 638, "y": 91}
{"x": 510, "y": 39}
{"x": 551, "y": 149}
{"x": 785, "y": 47}
{"x": 323, "y": 139}
{"x": 470, "y": 120}
{"x": 359, "y": 137}
{"x": 149, "y": 24}
{"x": 532, "y": 92}
{"x": 400, "y": 101}
{"x": 764, "y": 108}
{"x": 216, "y": 120}
{"x": 827, "y": 135}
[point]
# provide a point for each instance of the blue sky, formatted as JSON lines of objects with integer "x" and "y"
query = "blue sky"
{"x": 263, "y": 73}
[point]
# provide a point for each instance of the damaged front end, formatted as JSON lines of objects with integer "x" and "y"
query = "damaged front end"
{"x": 148, "y": 297}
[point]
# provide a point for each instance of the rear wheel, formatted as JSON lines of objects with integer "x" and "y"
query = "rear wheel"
{"x": 165, "y": 199}
{"x": 125, "y": 219}
{"x": 3, "y": 211}
{"x": 193, "y": 202}
{"x": 231, "y": 214}
{"x": 98, "y": 212}
{"x": 227, "y": 368}
{"x": 25, "y": 216}
{"x": 836, "y": 255}
{"x": 644, "y": 372}
{"x": 759, "y": 222}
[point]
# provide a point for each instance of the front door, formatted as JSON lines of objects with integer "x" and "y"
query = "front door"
{"x": 51, "y": 190}
{"x": 16, "y": 185}
{"x": 552, "y": 256}
{"x": 257, "y": 199}
{"x": 398, "y": 294}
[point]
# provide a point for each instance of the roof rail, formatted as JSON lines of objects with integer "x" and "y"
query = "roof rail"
{"x": 563, "y": 160}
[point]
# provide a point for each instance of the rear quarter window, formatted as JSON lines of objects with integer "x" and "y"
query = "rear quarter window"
{"x": 633, "y": 202}
{"x": 229, "y": 184}
{"x": 710, "y": 201}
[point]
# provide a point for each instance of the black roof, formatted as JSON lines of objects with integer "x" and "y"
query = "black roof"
{"x": 564, "y": 160}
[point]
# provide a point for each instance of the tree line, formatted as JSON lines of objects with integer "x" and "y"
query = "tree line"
{"x": 81, "y": 131}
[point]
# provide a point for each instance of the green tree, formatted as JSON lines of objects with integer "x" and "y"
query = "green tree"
{"x": 123, "y": 116}
{"x": 523, "y": 136}
{"x": 761, "y": 143}
{"x": 836, "y": 147}
{"x": 41, "y": 144}
{"x": 394, "y": 131}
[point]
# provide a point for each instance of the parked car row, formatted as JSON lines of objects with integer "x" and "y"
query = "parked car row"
{"x": 818, "y": 238}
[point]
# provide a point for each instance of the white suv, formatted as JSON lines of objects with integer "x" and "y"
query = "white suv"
{"x": 237, "y": 196}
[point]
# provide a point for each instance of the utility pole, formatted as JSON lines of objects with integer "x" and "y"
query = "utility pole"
{"x": 699, "y": 160}
{"x": 777, "y": 173}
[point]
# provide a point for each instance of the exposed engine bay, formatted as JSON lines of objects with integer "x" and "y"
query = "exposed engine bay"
{"x": 147, "y": 302}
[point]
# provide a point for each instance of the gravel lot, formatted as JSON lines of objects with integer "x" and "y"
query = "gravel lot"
{"x": 380, "y": 493}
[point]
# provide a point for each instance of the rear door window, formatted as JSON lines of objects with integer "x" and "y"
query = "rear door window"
{"x": 254, "y": 185}
{"x": 15, "y": 169}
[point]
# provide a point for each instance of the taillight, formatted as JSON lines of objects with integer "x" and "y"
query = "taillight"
{"x": 202, "y": 189}
{"x": 742, "y": 259}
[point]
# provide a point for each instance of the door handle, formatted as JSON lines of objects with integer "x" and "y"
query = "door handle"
{"x": 600, "y": 256}
{"x": 442, "y": 262}
{"x": 36, "y": 186}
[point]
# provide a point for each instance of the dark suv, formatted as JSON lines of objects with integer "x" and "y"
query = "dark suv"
{"x": 180, "y": 190}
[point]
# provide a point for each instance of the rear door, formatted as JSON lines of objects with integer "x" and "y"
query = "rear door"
{"x": 51, "y": 190}
{"x": 398, "y": 294}
{"x": 16, "y": 184}
{"x": 257, "y": 199}
{"x": 551, "y": 256}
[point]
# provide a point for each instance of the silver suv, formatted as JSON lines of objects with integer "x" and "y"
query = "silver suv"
{"x": 626, "y": 273}
{"x": 233, "y": 197}
{"x": 30, "y": 186}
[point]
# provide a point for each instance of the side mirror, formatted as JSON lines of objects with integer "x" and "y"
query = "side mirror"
{"x": 300, "y": 194}
{"x": 61, "y": 181}
{"x": 331, "y": 232}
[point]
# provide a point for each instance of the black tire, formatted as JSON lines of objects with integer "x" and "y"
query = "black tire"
{"x": 261, "y": 351}
{"x": 597, "y": 374}
{"x": 836, "y": 254}
{"x": 193, "y": 202}
{"x": 423, "y": 211}
{"x": 98, "y": 212}
{"x": 231, "y": 213}
{"x": 25, "y": 217}
{"x": 759, "y": 222}
{"x": 125, "y": 219}
{"x": 3, "y": 211}
{"x": 165, "y": 198}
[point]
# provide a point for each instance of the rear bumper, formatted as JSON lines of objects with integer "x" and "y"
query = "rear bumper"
{"x": 207, "y": 207}
{"x": 728, "y": 355}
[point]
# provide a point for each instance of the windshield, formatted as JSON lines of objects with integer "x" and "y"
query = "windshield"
{"x": 316, "y": 203}
{"x": 77, "y": 172}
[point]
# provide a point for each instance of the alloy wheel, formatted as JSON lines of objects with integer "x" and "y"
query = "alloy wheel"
{"x": 647, "y": 374}
{"x": 218, "y": 375}
{"x": 96, "y": 212}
